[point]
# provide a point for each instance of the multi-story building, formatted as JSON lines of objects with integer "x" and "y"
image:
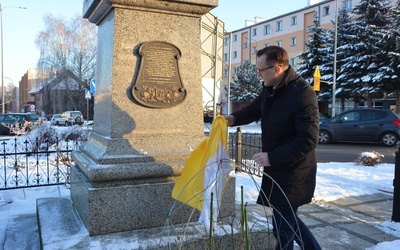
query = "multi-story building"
{"x": 29, "y": 81}
{"x": 288, "y": 30}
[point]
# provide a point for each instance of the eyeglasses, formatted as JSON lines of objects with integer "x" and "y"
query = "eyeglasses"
{"x": 261, "y": 70}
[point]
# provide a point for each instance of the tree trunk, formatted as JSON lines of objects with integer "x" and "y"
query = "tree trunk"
{"x": 369, "y": 100}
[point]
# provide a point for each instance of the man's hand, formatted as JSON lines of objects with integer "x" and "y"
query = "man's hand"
{"x": 230, "y": 119}
{"x": 261, "y": 159}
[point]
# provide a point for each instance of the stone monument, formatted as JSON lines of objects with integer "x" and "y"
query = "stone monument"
{"x": 148, "y": 113}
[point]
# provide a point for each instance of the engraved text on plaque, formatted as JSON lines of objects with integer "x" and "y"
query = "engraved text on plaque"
{"x": 158, "y": 84}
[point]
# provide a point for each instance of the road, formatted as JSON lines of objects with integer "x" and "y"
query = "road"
{"x": 337, "y": 152}
{"x": 349, "y": 152}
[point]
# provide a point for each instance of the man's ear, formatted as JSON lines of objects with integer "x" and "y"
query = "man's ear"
{"x": 277, "y": 70}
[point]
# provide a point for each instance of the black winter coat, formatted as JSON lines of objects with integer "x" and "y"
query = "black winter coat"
{"x": 290, "y": 123}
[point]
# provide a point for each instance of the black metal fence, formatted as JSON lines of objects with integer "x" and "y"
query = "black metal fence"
{"x": 242, "y": 147}
{"x": 25, "y": 163}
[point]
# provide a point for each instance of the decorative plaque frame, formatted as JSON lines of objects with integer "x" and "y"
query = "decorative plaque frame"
{"x": 159, "y": 84}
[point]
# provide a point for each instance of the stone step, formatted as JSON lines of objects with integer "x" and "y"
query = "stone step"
{"x": 21, "y": 233}
{"x": 58, "y": 223}
{"x": 60, "y": 227}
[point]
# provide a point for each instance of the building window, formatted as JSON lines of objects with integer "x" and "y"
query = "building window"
{"x": 293, "y": 41}
{"x": 347, "y": 5}
{"x": 375, "y": 105}
{"x": 226, "y": 39}
{"x": 293, "y": 61}
{"x": 325, "y": 11}
{"x": 254, "y": 31}
{"x": 267, "y": 29}
{"x": 234, "y": 54}
{"x": 235, "y": 70}
{"x": 245, "y": 45}
{"x": 293, "y": 20}
{"x": 235, "y": 38}
{"x": 225, "y": 57}
{"x": 279, "y": 25}
{"x": 266, "y": 44}
{"x": 225, "y": 72}
{"x": 279, "y": 43}
{"x": 309, "y": 28}
{"x": 254, "y": 49}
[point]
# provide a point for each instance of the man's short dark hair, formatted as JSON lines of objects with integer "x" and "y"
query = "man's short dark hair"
{"x": 274, "y": 54}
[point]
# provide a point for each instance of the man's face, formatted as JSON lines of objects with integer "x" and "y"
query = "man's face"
{"x": 265, "y": 72}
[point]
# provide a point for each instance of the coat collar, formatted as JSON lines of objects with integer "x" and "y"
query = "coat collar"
{"x": 290, "y": 75}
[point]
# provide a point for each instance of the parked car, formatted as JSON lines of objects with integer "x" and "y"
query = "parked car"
{"x": 27, "y": 119}
{"x": 72, "y": 117}
{"x": 361, "y": 125}
{"x": 57, "y": 120}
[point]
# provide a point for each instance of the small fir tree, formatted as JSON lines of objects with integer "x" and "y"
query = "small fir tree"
{"x": 318, "y": 53}
{"x": 246, "y": 85}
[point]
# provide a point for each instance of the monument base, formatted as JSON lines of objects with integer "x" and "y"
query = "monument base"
{"x": 59, "y": 227}
{"x": 116, "y": 208}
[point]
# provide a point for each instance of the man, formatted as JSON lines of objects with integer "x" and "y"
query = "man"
{"x": 288, "y": 109}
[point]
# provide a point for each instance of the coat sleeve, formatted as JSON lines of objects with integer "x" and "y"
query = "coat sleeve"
{"x": 249, "y": 114}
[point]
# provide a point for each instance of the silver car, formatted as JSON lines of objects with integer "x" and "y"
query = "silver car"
{"x": 72, "y": 117}
{"x": 57, "y": 120}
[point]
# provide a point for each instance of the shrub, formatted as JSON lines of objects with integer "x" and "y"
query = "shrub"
{"x": 370, "y": 158}
{"x": 45, "y": 133}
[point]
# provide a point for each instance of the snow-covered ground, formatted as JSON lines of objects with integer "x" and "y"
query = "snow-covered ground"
{"x": 250, "y": 128}
{"x": 334, "y": 181}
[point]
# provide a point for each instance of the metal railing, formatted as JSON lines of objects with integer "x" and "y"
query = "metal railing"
{"x": 25, "y": 163}
{"x": 242, "y": 147}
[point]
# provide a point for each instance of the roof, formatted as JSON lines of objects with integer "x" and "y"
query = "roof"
{"x": 61, "y": 81}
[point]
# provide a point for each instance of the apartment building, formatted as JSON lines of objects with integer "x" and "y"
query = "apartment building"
{"x": 288, "y": 31}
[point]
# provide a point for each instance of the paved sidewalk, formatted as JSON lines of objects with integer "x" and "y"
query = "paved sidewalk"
{"x": 348, "y": 223}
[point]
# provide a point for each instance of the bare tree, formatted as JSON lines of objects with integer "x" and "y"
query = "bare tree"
{"x": 68, "y": 48}
{"x": 83, "y": 48}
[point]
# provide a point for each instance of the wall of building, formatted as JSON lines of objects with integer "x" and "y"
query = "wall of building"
{"x": 29, "y": 81}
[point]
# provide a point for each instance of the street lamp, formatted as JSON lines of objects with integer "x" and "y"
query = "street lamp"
{"x": 2, "y": 55}
{"x": 334, "y": 64}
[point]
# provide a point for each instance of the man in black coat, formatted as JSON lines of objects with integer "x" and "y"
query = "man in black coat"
{"x": 288, "y": 109}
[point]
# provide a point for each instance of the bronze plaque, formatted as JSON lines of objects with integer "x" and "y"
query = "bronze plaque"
{"x": 159, "y": 84}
